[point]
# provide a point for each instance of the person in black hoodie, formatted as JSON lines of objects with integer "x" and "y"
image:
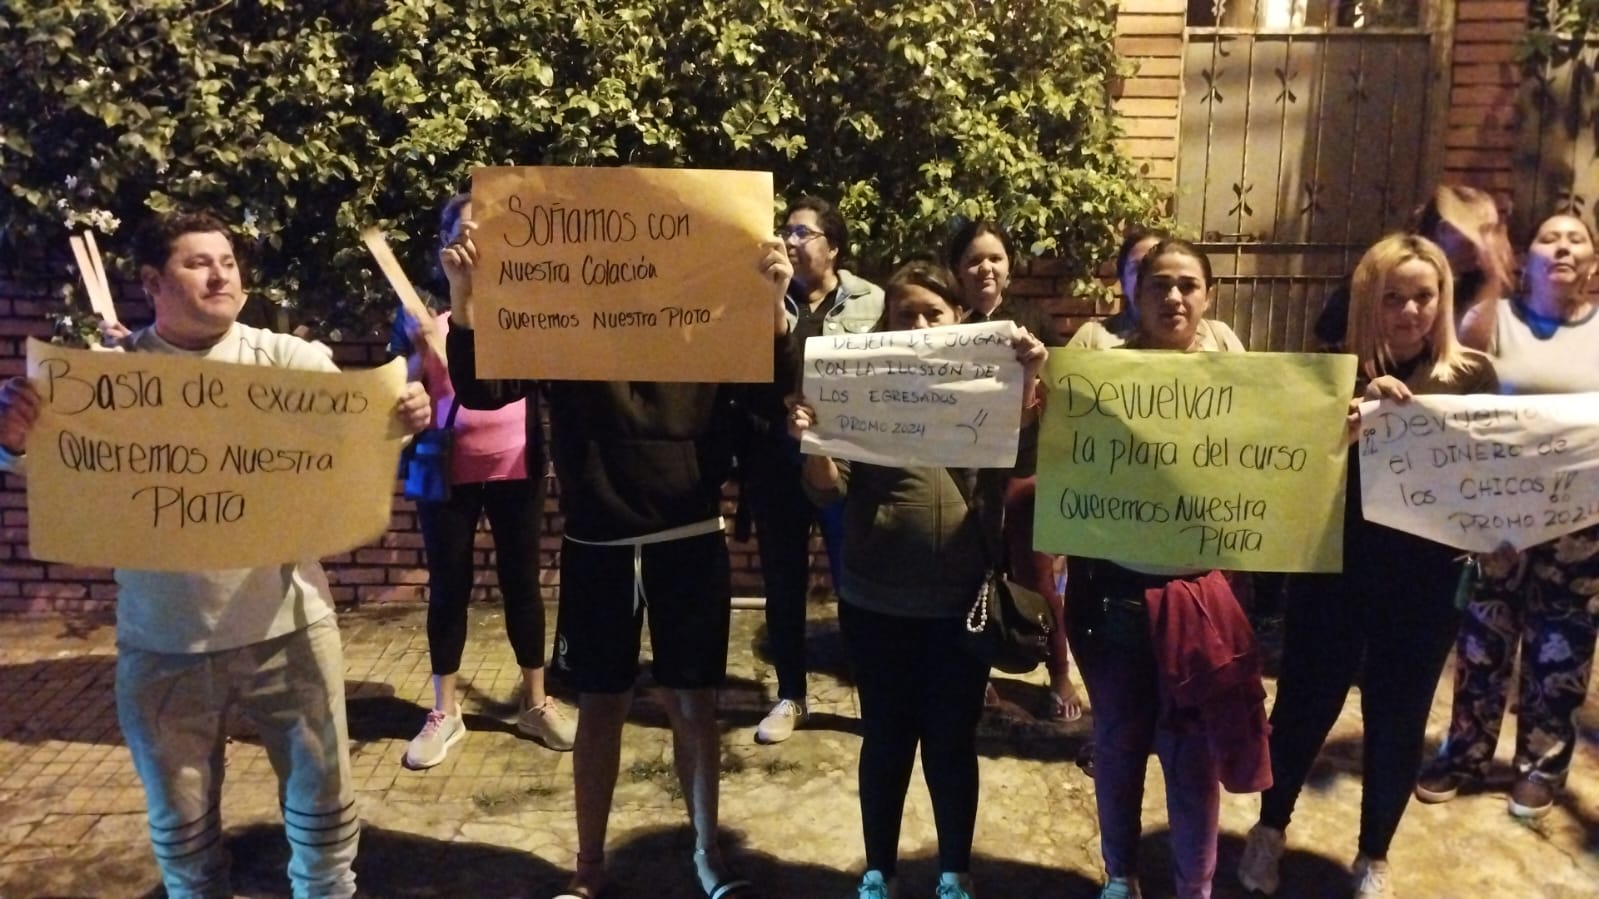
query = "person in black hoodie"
{"x": 640, "y": 467}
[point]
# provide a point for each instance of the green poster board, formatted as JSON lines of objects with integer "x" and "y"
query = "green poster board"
{"x": 1199, "y": 460}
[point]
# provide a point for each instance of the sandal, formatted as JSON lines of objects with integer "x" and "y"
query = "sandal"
{"x": 728, "y": 886}
{"x": 1067, "y": 707}
{"x": 592, "y": 888}
{"x": 732, "y": 888}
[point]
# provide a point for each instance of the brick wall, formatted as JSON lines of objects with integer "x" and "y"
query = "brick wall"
{"x": 1479, "y": 146}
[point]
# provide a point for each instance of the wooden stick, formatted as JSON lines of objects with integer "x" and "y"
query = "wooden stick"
{"x": 413, "y": 304}
{"x": 108, "y": 308}
{"x": 99, "y": 294}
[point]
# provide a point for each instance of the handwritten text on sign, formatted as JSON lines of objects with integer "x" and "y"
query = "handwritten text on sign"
{"x": 622, "y": 274}
{"x": 145, "y": 460}
{"x": 1224, "y": 460}
{"x": 948, "y": 397}
{"x": 1479, "y": 471}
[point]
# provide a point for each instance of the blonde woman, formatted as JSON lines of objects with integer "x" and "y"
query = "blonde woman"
{"x": 1392, "y": 607}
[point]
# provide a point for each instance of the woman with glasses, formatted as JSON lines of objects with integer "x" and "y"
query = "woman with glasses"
{"x": 822, "y": 299}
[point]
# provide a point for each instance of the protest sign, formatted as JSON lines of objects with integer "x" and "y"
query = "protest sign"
{"x": 1196, "y": 460}
{"x": 1476, "y": 472}
{"x": 622, "y": 274}
{"x": 948, "y": 397}
{"x": 169, "y": 463}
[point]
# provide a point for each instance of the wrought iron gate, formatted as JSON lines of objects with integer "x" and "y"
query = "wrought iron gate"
{"x": 1304, "y": 138}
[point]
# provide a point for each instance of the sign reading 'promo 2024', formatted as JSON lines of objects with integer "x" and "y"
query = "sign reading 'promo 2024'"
{"x": 622, "y": 274}
{"x": 1477, "y": 472}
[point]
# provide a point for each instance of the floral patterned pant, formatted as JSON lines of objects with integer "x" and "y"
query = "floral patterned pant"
{"x": 1545, "y": 599}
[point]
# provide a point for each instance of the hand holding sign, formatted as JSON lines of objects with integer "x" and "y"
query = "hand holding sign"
{"x": 19, "y": 409}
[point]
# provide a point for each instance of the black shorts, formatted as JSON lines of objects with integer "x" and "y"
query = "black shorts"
{"x": 687, "y": 593}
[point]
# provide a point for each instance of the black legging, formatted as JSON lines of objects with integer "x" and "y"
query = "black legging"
{"x": 1393, "y": 608}
{"x": 448, "y": 530}
{"x": 917, "y": 686}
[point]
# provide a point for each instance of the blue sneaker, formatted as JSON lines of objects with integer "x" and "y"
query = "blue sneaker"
{"x": 954, "y": 886}
{"x": 875, "y": 886}
{"x": 1121, "y": 888}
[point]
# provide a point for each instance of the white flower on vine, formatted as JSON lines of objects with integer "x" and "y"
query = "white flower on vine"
{"x": 249, "y": 218}
{"x": 71, "y": 182}
{"x": 194, "y": 175}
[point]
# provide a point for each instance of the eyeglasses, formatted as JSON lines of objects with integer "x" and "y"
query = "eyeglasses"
{"x": 799, "y": 233}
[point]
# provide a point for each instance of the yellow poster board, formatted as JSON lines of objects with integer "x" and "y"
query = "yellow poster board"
{"x": 1197, "y": 460}
{"x": 169, "y": 463}
{"x": 602, "y": 274}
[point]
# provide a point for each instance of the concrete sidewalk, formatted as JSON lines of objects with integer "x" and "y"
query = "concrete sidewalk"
{"x": 495, "y": 819}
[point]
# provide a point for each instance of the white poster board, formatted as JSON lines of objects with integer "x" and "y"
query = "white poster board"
{"x": 1476, "y": 472}
{"x": 948, "y": 397}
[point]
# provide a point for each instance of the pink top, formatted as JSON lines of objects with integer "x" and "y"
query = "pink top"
{"x": 489, "y": 445}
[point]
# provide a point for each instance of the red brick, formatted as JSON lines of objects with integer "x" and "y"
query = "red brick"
{"x": 21, "y": 572}
{"x": 400, "y": 576}
{"x": 386, "y": 557}
{"x": 50, "y": 590}
{"x": 344, "y": 574}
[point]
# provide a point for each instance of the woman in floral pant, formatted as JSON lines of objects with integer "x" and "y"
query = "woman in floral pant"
{"x": 1545, "y": 341}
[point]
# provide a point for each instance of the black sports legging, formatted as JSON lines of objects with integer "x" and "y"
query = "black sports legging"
{"x": 448, "y": 531}
{"x": 917, "y": 686}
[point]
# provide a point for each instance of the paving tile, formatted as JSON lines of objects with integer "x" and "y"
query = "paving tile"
{"x": 497, "y": 815}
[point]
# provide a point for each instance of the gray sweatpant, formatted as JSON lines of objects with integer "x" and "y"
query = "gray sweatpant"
{"x": 173, "y": 709}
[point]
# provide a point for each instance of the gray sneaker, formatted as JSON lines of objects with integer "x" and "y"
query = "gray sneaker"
{"x": 549, "y": 725}
{"x": 779, "y": 723}
{"x": 429, "y": 747}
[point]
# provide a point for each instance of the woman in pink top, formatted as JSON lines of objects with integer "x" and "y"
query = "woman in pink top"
{"x": 494, "y": 470}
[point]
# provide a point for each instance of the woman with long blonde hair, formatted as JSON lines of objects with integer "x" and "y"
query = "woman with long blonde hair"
{"x": 1392, "y": 607}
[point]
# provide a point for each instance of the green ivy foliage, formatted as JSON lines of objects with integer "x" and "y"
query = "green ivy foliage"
{"x": 306, "y": 121}
{"x": 1557, "y": 32}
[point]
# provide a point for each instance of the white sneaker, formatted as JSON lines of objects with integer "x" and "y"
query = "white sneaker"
{"x": 779, "y": 723}
{"x": 1372, "y": 879}
{"x": 1263, "y": 851}
{"x": 429, "y": 747}
{"x": 549, "y": 725}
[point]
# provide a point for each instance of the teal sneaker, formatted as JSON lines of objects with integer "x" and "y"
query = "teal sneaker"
{"x": 954, "y": 886}
{"x": 1121, "y": 888}
{"x": 875, "y": 886}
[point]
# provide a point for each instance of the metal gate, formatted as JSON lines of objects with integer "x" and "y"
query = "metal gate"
{"x": 1304, "y": 138}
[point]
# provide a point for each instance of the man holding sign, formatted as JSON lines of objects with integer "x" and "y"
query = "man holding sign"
{"x": 641, "y": 466}
{"x": 194, "y": 645}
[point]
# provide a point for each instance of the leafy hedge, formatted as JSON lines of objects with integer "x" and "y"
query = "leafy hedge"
{"x": 305, "y": 127}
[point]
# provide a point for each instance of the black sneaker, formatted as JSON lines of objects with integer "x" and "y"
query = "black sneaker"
{"x": 1440, "y": 785}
